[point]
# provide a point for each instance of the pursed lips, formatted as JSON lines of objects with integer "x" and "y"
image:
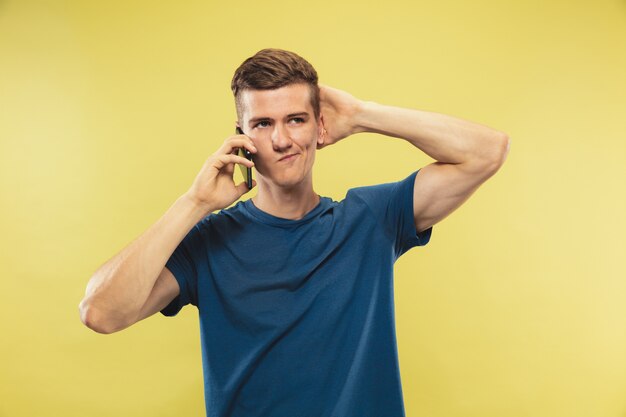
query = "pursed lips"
{"x": 287, "y": 157}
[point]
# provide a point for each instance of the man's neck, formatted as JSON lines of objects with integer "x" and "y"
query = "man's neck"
{"x": 287, "y": 203}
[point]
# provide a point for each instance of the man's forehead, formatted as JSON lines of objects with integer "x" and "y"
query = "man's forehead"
{"x": 278, "y": 102}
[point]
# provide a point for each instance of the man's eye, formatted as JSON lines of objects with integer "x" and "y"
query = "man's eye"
{"x": 297, "y": 119}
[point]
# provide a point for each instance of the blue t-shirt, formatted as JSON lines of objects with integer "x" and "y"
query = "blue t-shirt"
{"x": 297, "y": 316}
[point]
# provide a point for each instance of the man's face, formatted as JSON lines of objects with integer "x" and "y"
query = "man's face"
{"x": 282, "y": 125}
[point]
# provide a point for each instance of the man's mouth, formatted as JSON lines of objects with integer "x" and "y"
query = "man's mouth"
{"x": 288, "y": 157}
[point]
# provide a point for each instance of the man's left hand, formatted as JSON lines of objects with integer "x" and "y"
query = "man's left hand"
{"x": 339, "y": 111}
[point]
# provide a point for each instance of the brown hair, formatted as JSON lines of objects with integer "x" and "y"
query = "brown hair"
{"x": 273, "y": 68}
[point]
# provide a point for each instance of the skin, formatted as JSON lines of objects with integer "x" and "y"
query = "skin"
{"x": 134, "y": 284}
{"x": 466, "y": 153}
{"x": 285, "y": 146}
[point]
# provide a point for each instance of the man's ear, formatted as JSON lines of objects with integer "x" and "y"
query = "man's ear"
{"x": 321, "y": 131}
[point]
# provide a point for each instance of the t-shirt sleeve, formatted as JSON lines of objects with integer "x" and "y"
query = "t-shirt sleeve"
{"x": 392, "y": 203}
{"x": 184, "y": 263}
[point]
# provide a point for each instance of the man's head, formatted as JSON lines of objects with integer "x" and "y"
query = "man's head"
{"x": 277, "y": 99}
{"x": 273, "y": 68}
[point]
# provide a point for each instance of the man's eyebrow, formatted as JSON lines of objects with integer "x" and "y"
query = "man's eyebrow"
{"x": 258, "y": 119}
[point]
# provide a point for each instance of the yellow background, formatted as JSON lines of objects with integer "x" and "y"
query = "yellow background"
{"x": 515, "y": 307}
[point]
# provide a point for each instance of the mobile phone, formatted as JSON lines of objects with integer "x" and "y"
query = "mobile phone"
{"x": 245, "y": 171}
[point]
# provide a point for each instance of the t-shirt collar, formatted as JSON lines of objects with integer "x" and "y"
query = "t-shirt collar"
{"x": 267, "y": 218}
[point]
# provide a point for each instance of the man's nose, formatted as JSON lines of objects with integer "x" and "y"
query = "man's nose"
{"x": 280, "y": 138}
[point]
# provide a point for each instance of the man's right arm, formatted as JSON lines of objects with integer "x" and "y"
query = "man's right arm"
{"x": 119, "y": 289}
{"x": 135, "y": 283}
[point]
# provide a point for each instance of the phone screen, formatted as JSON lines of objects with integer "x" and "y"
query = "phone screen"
{"x": 245, "y": 171}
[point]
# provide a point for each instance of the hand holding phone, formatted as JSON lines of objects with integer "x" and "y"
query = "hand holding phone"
{"x": 245, "y": 171}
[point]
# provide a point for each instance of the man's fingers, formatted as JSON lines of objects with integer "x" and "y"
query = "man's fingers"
{"x": 237, "y": 142}
{"x": 222, "y": 160}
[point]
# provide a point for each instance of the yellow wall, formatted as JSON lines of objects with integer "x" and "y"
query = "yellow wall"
{"x": 516, "y": 306}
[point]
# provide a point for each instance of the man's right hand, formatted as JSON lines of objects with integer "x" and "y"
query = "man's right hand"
{"x": 214, "y": 187}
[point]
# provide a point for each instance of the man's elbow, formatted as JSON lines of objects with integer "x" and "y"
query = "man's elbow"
{"x": 506, "y": 147}
{"x": 501, "y": 149}
{"x": 90, "y": 317}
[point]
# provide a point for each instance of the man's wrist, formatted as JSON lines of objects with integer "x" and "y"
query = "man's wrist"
{"x": 197, "y": 208}
{"x": 362, "y": 116}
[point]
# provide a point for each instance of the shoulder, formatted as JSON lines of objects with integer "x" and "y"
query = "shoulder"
{"x": 212, "y": 222}
{"x": 377, "y": 194}
{"x": 235, "y": 213}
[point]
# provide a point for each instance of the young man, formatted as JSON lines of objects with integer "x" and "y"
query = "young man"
{"x": 295, "y": 290}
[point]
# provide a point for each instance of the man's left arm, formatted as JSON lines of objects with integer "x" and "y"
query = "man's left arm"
{"x": 466, "y": 153}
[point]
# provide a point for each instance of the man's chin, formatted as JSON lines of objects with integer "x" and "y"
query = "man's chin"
{"x": 284, "y": 181}
{"x": 288, "y": 182}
